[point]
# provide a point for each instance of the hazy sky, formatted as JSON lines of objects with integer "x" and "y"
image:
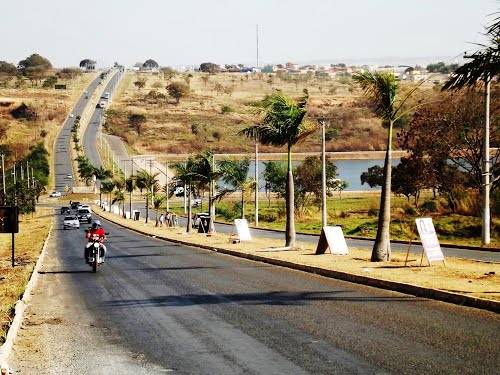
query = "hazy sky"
{"x": 224, "y": 31}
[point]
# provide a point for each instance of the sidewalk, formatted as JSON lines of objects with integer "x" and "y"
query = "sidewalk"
{"x": 463, "y": 282}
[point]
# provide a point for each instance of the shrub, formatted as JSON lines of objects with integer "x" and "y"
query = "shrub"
{"x": 227, "y": 109}
{"x": 372, "y": 211}
{"x": 268, "y": 217}
{"x": 429, "y": 206}
{"x": 409, "y": 210}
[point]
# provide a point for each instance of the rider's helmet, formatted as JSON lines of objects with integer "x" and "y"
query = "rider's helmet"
{"x": 95, "y": 225}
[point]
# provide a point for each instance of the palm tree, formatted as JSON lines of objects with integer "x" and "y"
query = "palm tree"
{"x": 157, "y": 201}
{"x": 208, "y": 174}
{"x": 235, "y": 173}
{"x": 102, "y": 174}
{"x": 129, "y": 187}
{"x": 150, "y": 183}
{"x": 381, "y": 88}
{"x": 108, "y": 187}
{"x": 283, "y": 123}
{"x": 187, "y": 173}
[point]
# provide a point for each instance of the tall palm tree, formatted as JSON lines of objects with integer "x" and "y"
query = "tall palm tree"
{"x": 129, "y": 188}
{"x": 282, "y": 123}
{"x": 235, "y": 173}
{"x": 208, "y": 174}
{"x": 108, "y": 187}
{"x": 187, "y": 172}
{"x": 382, "y": 88}
{"x": 150, "y": 183}
{"x": 101, "y": 174}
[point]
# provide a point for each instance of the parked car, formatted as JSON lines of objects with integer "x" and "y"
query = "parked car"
{"x": 55, "y": 194}
{"x": 84, "y": 215}
{"x": 74, "y": 205}
{"x": 69, "y": 175}
{"x": 65, "y": 210}
{"x": 71, "y": 222}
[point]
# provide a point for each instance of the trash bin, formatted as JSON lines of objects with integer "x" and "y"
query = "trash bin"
{"x": 204, "y": 225}
{"x": 137, "y": 215}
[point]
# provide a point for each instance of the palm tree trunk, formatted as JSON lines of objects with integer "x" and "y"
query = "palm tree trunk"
{"x": 190, "y": 210}
{"x": 211, "y": 206}
{"x": 242, "y": 204}
{"x": 382, "y": 247}
{"x": 147, "y": 207}
{"x": 290, "y": 235}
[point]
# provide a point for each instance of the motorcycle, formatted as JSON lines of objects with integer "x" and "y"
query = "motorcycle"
{"x": 95, "y": 251}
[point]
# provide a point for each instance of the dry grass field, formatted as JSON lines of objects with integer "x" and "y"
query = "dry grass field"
{"x": 209, "y": 118}
{"x": 29, "y": 241}
{"x": 52, "y": 107}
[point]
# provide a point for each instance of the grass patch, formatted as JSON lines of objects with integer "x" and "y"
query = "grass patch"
{"x": 28, "y": 246}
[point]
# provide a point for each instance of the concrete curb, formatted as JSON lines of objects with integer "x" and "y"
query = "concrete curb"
{"x": 21, "y": 305}
{"x": 418, "y": 291}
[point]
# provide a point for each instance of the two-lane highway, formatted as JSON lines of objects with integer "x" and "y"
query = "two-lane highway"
{"x": 162, "y": 307}
{"x": 62, "y": 159}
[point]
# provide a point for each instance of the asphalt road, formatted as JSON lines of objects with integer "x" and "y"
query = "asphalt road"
{"x": 62, "y": 148}
{"x": 192, "y": 311}
{"x": 90, "y": 136}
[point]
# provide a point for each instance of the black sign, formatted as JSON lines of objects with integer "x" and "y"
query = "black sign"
{"x": 60, "y": 87}
{"x": 204, "y": 225}
{"x": 9, "y": 219}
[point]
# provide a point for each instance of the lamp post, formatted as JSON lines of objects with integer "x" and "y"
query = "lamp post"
{"x": 322, "y": 121}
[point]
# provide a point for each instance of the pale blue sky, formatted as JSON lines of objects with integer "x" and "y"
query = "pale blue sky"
{"x": 224, "y": 31}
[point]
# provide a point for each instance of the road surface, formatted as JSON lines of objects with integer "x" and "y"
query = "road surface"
{"x": 157, "y": 307}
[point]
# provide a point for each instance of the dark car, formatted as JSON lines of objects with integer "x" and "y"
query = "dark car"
{"x": 74, "y": 205}
{"x": 65, "y": 210}
{"x": 84, "y": 215}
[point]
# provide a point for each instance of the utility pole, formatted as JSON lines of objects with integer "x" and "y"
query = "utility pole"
{"x": 486, "y": 164}
{"x": 257, "y": 46}
{"x": 256, "y": 183}
{"x": 323, "y": 174}
{"x": 3, "y": 178}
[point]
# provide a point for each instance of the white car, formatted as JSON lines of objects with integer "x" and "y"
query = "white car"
{"x": 69, "y": 175}
{"x": 71, "y": 115}
{"x": 55, "y": 194}
{"x": 84, "y": 207}
{"x": 71, "y": 222}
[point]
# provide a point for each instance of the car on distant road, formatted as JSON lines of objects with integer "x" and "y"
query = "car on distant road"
{"x": 65, "y": 210}
{"x": 69, "y": 175}
{"x": 55, "y": 194}
{"x": 71, "y": 222}
{"x": 84, "y": 207}
{"x": 71, "y": 115}
{"x": 74, "y": 205}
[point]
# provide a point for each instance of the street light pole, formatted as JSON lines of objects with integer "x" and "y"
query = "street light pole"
{"x": 323, "y": 174}
{"x": 256, "y": 183}
{"x": 486, "y": 165}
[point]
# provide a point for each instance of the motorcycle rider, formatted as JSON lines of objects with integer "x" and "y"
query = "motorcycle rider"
{"x": 96, "y": 229}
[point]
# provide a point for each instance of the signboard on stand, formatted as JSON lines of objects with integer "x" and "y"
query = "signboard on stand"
{"x": 242, "y": 231}
{"x": 429, "y": 239}
{"x": 332, "y": 238}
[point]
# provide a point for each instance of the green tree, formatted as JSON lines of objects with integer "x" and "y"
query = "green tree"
{"x": 373, "y": 177}
{"x": 102, "y": 174}
{"x": 186, "y": 173}
{"x": 283, "y": 123}
{"x": 129, "y": 188}
{"x": 88, "y": 64}
{"x": 108, "y": 187}
{"x": 178, "y": 90}
{"x": 169, "y": 73}
{"x": 382, "y": 88}
{"x": 136, "y": 121}
{"x": 308, "y": 181}
{"x": 150, "y": 182}
{"x": 235, "y": 173}
{"x": 275, "y": 178}
{"x": 150, "y": 63}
